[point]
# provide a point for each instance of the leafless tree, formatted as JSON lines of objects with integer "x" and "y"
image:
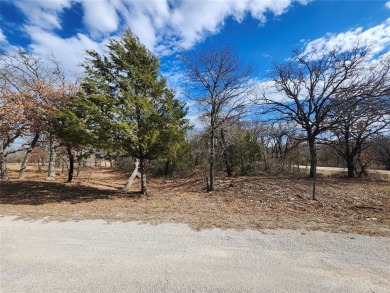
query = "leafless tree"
{"x": 31, "y": 88}
{"x": 312, "y": 86}
{"x": 366, "y": 114}
{"x": 219, "y": 83}
{"x": 380, "y": 150}
{"x": 279, "y": 140}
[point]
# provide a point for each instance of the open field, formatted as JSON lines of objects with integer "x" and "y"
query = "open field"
{"x": 359, "y": 206}
{"x": 381, "y": 174}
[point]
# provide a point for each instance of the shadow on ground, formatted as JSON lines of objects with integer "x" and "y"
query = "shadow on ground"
{"x": 39, "y": 192}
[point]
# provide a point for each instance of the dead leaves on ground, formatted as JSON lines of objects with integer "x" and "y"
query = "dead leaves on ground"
{"x": 246, "y": 202}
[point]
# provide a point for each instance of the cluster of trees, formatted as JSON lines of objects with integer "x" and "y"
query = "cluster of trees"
{"x": 335, "y": 101}
{"x": 121, "y": 105}
{"x": 31, "y": 91}
{"x": 337, "y": 97}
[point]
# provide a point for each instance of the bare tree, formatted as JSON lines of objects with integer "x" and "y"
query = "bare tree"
{"x": 34, "y": 88}
{"x": 225, "y": 152}
{"x": 51, "y": 173}
{"x": 380, "y": 150}
{"x": 279, "y": 140}
{"x": 365, "y": 116}
{"x": 219, "y": 81}
{"x": 13, "y": 123}
{"x": 312, "y": 86}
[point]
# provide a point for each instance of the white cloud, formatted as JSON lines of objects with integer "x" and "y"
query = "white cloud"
{"x": 193, "y": 21}
{"x": 44, "y": 13}
{"x": 166, "y": 25}
{"x": 70, "y": 52}
{"x": 2, "y": 36}
{"x": 266, "y": 89}
{"x": 100, "y": 16}
{"x": 387, "y": 5}
{"x": 377, "y": 38}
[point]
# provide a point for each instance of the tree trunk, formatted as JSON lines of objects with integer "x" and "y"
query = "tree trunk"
{"x": 242, "y": 165}
{"x": 71, "y": 164}
{"x": 296, "y": 156}
{"x": 27, "y": 155}
{"x": 166, "y": 171}
{"x": 387, "y": 160}
{"x": 79, "y": 163}
{"x": 265, "y": 159}
{"x": 363, "y": 168}
{"x": 3, "y": 162}
{"x": 313, "y": 158}
{"x": 143, "y": 176}
{"x": 313, "y": 166}
{"x": 211, "y": 161}
{"x": 348, "y": 155}
{"x": 78, "y": 168}
{"x": 226, "y": 155}
{"x": 133, "y": 175}
{"x": 351, "y": 168}
{"x": 117, "y": 160}
{"x": 51, "y": 173}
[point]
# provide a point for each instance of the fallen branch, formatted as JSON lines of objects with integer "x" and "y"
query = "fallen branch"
{"x": 135, "y": 174}
{"x": 368, "y": 207}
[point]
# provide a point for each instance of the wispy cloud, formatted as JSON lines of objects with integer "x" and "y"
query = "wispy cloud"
{"x": 168, "y": 26}
{"x": 387, "y": 5}
{"x": 165, "y": 26}
{"x": 46, "y": 14}
{"x": 100, "y": 17}
{"x": 377, "y": 38}
{"x": 2, "y": 36}
{"x": 70, "y": 51}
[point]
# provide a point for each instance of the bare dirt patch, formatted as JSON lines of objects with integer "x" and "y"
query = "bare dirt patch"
{"x": 360, "y": 206}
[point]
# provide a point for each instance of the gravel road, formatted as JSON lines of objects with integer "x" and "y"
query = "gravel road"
{"x": 95, "y": 256}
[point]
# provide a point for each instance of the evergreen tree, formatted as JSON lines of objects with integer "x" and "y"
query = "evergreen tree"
{"x": 70, "y": 126}
{"x": 133, "y": 108}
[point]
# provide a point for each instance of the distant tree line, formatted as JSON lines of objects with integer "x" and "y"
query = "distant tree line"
{"x": 328, "y": 108}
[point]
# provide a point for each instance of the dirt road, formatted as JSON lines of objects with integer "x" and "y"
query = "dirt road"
{"x": 93, "y": 256}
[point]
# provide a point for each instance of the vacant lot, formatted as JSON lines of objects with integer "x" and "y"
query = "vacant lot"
{"x": 361, "y": 206}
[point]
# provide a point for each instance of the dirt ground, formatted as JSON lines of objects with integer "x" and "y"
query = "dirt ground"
{"x": 359, "y": 205}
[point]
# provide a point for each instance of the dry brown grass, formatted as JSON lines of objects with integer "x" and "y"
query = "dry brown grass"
{"x": 361, "y": 206}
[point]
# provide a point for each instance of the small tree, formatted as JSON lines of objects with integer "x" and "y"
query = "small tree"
{"x": 220, "y": 85}
{"x": 69, "y": 126}
{"x": 131, "y": 105}
{"x": 245, "y": 148}
{"x": 173, "y": 131}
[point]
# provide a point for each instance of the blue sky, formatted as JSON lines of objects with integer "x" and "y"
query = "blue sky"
{"x": 263, "y": 31}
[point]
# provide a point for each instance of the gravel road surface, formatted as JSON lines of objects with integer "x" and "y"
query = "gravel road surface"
{"x": 95, "y": 256}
